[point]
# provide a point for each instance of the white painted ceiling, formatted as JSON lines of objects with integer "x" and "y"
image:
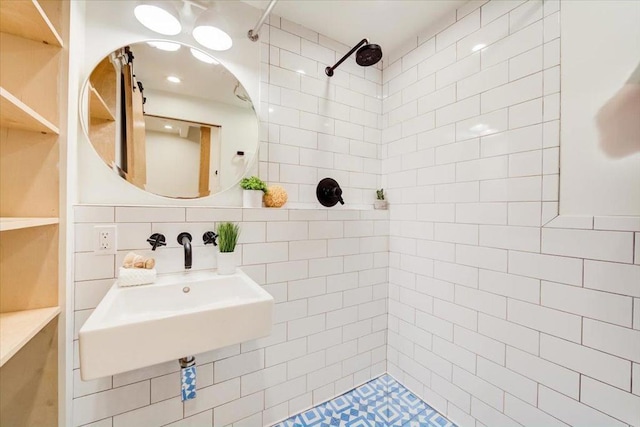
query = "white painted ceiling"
{"x": 389, "y": 23}
{"x": 211, "y": 82}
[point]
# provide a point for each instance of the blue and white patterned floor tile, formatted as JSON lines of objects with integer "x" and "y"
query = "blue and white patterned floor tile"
{"x": 429, "y": 418}
{"x": 382, "y": 402}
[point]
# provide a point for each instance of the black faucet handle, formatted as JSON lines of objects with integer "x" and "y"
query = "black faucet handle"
{"x": 209, "y": 238}
{"x": 157, "y": 239}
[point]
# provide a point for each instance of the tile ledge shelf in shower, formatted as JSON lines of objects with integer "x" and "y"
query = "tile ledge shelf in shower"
{"x": 381, "y": 402}
{"x": 358, "y": 207}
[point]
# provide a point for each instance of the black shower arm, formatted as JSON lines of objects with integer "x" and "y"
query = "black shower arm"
{"x": 329, "y": 70}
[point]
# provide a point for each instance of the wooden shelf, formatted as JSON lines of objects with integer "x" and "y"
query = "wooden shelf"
{"x": 25, "y": 18}
{"x": 18, "y": 327}
{"x": 13, "y": 223}
{"x": 97, "y": 107}
{"x": 17, "y": 115}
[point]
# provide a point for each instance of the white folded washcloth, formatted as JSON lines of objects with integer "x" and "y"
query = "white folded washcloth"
{"x": 136, "y": 276}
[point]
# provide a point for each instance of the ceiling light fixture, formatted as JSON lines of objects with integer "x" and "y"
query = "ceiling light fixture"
{"x": 160, "y": 19}
{"x": 173, "y": 79}
{"x": 212, "y": 37}
{"x": 168, "y": 46}
{"x": 201, "y": 56}
{"x": 207, "y": 31}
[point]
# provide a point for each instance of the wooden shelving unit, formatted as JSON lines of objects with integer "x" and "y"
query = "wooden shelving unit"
{"x": 98, "y": 108}
{"x": 15, "y": 114}
{"x": 18, "y": 327}
{"x": 27, "y": 19}
{"x": 33, "y": 105}
{"x": 14, "y": 223}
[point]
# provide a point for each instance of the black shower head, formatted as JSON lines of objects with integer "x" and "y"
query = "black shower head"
{"x": 368, "y": 54}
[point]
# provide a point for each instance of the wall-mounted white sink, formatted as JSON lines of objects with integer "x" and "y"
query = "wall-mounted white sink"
{"x": 179, "y": 315}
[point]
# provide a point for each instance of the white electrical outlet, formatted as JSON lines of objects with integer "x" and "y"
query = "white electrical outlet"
{"x": 105, "y": 243}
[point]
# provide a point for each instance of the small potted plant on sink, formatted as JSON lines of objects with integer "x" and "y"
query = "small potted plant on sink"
{"x": 253, "y": 190}
{"x": 228, "y": 233}
{"x": 380, "y": 202}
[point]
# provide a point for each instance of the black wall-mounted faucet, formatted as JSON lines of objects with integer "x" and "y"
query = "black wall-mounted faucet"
{"x": 185, "y": 240}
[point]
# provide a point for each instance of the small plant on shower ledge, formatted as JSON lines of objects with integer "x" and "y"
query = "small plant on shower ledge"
{"x": 380, "y": 202}
{"x": 253, "y": 191}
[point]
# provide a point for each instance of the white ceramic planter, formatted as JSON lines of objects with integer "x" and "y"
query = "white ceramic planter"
{"x": 252, "y": 198}
{"x": 226, "y": 263}
{"x": 380, "y": 204}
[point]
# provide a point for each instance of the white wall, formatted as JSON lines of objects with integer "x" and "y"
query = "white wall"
{"x": 600, "y": 50}
{"x": 173, "y": 164}
{"x": 318, "y": 126}
{"x": 327, "y": 271}
{"x": 312, "y": 126}
{"x": 494, "y": 319}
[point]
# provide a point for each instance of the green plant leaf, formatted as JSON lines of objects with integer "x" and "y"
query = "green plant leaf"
{"x": 228, "y": 233}
{"x": 253, "y": 183}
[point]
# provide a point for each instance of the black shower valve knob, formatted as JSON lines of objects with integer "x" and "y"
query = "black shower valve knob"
{"x": 329, "y": 192}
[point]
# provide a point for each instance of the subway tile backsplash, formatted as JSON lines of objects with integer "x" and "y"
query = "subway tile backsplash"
{"x": 327, "y": 271}
{"x": 500, "y": 311}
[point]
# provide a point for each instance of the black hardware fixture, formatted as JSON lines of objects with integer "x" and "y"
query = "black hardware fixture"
{"x": 209, "y": 238}
{"x": 185, "y": 240}
{"x": 367, "y": 55}
{"x": 329, "y": 192}
{"x": 157, "y": 239}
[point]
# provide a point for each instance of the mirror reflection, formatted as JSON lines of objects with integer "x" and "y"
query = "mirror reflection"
{"x": 170, "y": 119}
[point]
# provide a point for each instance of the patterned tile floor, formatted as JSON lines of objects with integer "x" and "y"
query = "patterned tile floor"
{"x": 382, "y": 402}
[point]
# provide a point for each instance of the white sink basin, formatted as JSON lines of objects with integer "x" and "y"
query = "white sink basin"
{"x": 140, "y": 326}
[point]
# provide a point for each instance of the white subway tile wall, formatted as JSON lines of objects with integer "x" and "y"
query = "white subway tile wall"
{"x": 471, "y": 291}
{"x": 317, "y": 126}
{"x": 327, "y": 271}
{"x": 506, "y": 322}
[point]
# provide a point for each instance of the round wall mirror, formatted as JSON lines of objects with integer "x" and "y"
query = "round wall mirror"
{"x": 170, "y": 119}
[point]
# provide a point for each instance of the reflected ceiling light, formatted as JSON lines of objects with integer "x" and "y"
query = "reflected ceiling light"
{"x": 168, "y": 46}
{"x": 208, "y": 33}
{"x": 168, "y": 127}
{"x": 478, "y": 47}
{"x": 201, "y": 56}
{"x": 173, "y": 79}
{"x": 300, "y": 72}
{"x": 162, "y": 20}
